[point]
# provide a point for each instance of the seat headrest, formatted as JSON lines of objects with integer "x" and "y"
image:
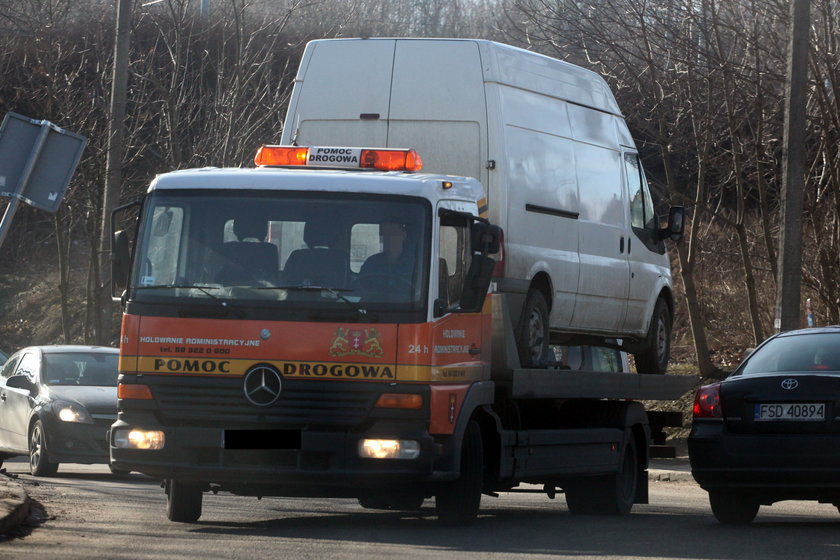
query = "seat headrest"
{"x": 320, "y": 233}
{"x": 250, "y": 228}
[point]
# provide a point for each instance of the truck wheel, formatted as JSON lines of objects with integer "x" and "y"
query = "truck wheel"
{"x": 457, "y": 502}
{"x": 612, "y": 494}
{"x": 183, "y": 501}
{"x": 654, "y": 358}
{"x": 532, "y": 335}
{"x": 732, "y": 508}
{"x": 39, "y": 465}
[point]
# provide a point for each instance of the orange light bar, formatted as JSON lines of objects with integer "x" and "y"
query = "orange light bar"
{"x": 281, "y": 155}
{"x": 133, "y": 391}
{"x": 344, "y": 158}
{"x": 399, "y": 400}
{"x": 391, "y": 160}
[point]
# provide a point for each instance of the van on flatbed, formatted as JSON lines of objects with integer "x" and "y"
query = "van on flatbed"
{"x": 583, "y": 258}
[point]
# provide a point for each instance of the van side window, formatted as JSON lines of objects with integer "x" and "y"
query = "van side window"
{"x": 641, "y": 205}
{"x": 454, "y": 255}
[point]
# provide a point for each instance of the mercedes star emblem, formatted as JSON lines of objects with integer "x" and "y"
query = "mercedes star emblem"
{"x": 262, "y": 385}
{"x": 790, "y": 383}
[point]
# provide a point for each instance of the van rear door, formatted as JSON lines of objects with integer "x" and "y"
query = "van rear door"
{"x": 342, "y": 95}
{"x": 438, "y": 106}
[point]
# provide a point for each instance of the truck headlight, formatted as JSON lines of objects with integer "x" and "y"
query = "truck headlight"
{"x": 389, "y": 449}
{"x": 70, "y": 412}
{"x": 132, "y": 438}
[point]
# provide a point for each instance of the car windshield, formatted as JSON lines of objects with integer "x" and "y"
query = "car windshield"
{"x": 76, "y": 368}
{"x": 334, "y": 252}
{"x": 801, "y": 352}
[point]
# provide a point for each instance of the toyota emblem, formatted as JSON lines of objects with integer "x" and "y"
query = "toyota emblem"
{"x": 790, "y": 383}
{"x": 262, "y": 385}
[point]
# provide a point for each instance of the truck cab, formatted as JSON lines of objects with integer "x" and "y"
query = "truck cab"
{"x": 300, "y": 328}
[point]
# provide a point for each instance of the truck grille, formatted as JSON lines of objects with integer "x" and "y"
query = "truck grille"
{"x": 221, "y": 401}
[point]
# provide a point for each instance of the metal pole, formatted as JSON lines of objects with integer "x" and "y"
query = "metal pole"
{"x": 789, "y": 282}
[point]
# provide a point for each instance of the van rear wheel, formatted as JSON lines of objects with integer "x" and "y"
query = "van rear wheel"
{"x": 532, "y": 334}
{"x": 654, "y": 358}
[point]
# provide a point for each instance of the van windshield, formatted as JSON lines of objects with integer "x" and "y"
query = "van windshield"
{"x": 315, "y": 251}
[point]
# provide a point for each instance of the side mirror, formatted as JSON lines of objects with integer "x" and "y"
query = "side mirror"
{"x": 120, "y": 263}
{"x": 20, "y": 382}
{"x": 485, "y": 238}
{"x": 676, "y": 224}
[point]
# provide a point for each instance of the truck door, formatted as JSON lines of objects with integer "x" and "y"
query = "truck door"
{"x": 342, "y": 95}
{"x": 645, "y": 250}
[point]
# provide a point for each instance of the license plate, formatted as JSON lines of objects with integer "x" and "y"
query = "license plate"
{"x": 767, "y": 412}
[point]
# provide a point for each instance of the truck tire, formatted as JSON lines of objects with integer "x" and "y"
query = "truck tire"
{"x": 612, "y": 494}
{"x": 654, "y": 358}
{"x": 532, "y": 334}
{"x": 457, "y": 502}
{"x": 183, "y": 501}
{"x": 732, "y": 508}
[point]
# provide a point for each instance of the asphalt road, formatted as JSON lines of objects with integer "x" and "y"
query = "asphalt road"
{"x": 89, "y": 513}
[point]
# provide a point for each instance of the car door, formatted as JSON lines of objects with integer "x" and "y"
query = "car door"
{"x": 18, "y": 403}
{"x": 7, "y": 371}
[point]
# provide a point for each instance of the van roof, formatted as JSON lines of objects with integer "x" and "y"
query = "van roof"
{"x": 523, "y": 69}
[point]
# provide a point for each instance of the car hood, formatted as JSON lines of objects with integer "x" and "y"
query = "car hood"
{"x": 96, "y": 399}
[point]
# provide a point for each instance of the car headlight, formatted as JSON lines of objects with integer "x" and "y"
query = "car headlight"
{"x": 71, "y": 412}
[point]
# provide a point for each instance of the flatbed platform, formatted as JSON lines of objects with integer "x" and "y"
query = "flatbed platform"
{"x": 566, "y": 384}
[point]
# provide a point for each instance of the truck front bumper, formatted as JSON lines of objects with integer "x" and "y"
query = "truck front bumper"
{"x": 322, "y": 463}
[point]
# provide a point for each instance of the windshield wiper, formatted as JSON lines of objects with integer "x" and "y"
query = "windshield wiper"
{"x": 202, "y": 288}
{"x": 360, "y": 311}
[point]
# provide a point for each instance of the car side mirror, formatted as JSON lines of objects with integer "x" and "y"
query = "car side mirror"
{"x": 20, "y": 382}
{"x": 676, "y": 224}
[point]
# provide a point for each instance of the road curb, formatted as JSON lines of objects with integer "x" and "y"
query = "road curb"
{"x": 14, "y": 504}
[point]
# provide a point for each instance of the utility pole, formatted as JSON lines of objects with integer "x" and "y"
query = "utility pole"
{"x": 789, "y": 282}
{"x": 114, "y": 162}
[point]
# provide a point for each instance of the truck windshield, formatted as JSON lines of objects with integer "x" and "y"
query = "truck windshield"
{"x": 338, "y": 252}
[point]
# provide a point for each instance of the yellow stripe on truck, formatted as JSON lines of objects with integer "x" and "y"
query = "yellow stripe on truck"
{"x": 306, "y": 370}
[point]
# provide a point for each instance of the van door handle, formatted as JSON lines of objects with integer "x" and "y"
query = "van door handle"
{"x": 628, "y": 244}
{"x": 621, "y": 245}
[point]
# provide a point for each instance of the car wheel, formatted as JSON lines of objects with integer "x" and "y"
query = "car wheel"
{"x": 39, "y": 464}
{"x": 457, "y": 502}
{"x": 183, "y": 501}
{"x": 654, "y": 358}
{"x": 606, "y": 495}
{"x": 733, "y": 508}
{"x": 532, "y": 334}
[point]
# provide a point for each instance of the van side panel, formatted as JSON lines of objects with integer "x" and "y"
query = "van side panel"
{"x": 543, "y": 200}
{"x": 361, "y": 72}
{"x": 438, "y": 106}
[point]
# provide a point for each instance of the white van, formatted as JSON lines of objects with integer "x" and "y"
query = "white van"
{"x": 583, "y": 258}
